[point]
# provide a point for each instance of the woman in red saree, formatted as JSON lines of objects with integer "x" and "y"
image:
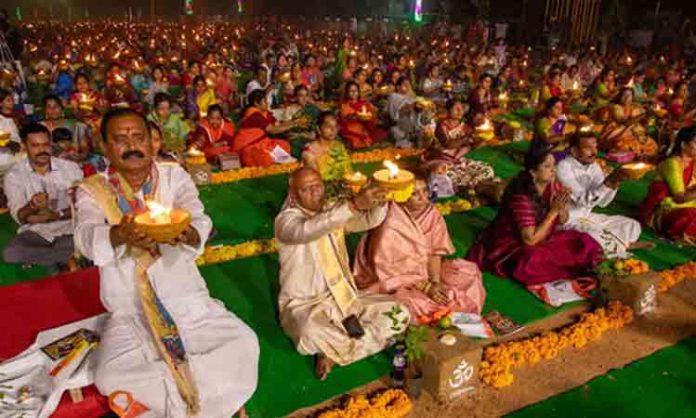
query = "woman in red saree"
{"x": 358, "y": 120}
{"x": 670, "y": 206}
{"x": 404, "y": 257}
{"x": 524, "y": 241}
{"x": 214, "y": 134}
{"x": 681, "y": 113}
{"x": 252, "y": 143}
{"x": 86, "y": 104}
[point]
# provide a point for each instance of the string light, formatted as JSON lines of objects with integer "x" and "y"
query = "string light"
{"x": 418, "y": 11}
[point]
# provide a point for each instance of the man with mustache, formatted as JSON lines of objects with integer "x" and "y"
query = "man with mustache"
{"x": 37, "y": 195}
{"x": 320, "y": 306}
{"x": 589, "y": 188}
{"x": 167, "y": 342}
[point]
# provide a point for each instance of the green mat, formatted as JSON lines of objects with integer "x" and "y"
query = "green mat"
{"x": 659, "y": 386}
{"x": 245, "y": 210}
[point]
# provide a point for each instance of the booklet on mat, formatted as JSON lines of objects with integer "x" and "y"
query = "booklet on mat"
{"x": 502, "y": 324}
{"x": 61, "y": 347}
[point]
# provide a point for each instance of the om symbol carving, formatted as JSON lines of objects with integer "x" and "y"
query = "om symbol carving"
{"x": 648, "y": 302}
{"x": 461, "y": 375}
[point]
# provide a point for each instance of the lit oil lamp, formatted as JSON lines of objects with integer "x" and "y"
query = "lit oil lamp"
{"x": 285, "y": 77}
{"x": 8, "y": 74}
{"x": 448, "y": 86}
{"x": 629, "y": 60}
{"x": 586, "y": 128}
{"x": 161, "y": 223}
{"x": 637, "y": 170}
{"x": 503, "y": 98}
{"x": 41, "y": 75}
{"x": 63, "y": 64}
{"x": 355, "y": 181}
{"x": 119, "y": 80}
{"x": 399, "y": 183}
{"x": 485, "y": 131}
{"x": 659, "y": 111}
{"x": 194, "y": 156}
{"x": 138, "y": 66}
{"x": 85, "y": 102}
{"x": 4, "y": 138}
{"x": 364, "y": 114}
{"x": 423, "y": 103}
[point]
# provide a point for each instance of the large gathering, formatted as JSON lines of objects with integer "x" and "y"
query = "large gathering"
{"x": 385, "y": 213}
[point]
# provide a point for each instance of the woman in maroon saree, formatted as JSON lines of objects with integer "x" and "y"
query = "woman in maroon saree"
{"x": 524, "y": 241}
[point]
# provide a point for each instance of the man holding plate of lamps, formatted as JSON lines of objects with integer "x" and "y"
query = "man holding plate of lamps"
{"x": 167, "y": 342}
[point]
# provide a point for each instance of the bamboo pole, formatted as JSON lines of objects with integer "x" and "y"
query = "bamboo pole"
{"x": 595, "y": 22}
{"x": 546, "y": 12}
{"x": 583, "y": 19}
{"x": 576, "y": 21}
{"x": 588, "y": 26}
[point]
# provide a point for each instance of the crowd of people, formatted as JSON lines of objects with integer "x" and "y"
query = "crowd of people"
{"x": 114, "y": 107}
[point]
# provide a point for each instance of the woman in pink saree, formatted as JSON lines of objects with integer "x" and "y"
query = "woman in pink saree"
{"x": 525, "y": 241}
{"x": 404, "y": 257}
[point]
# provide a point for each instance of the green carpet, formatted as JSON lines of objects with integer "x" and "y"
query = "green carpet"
{"x": 659, "y": 386}
{"x": 245, "y": 210}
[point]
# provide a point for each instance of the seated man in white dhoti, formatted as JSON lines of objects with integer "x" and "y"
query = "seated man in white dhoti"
{"x": 176, "y": 350}
{"x": 590, "y": 188}
{"x": 320, "y": 306}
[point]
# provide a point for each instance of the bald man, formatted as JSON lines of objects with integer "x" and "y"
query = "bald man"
{"x": 320, "y": 306}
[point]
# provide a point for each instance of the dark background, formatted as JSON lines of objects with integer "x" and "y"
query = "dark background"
{"x": 636, "y": 10}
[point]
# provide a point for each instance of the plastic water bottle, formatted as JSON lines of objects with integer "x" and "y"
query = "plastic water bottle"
{"x": 399, "y": 367}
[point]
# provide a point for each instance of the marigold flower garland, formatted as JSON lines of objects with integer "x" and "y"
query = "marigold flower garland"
{"x": 672, "y": 277}
{"x": 495, "y": 368}
{"x": 244, "y": 173}
{"x": 222, "y": 253}
{"x": 392, "y": 403}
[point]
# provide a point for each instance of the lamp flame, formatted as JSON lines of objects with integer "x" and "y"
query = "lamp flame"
{"x": 160, "y": 214}
{"x": 393, "y": 169}
{"x": 485, "y": 126}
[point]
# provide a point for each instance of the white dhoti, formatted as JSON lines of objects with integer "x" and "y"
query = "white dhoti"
{"x": 309, "y": 311}
{"x": 615, "y": 233}
{"x": 316, "y": 327}
{"x": 586, "y": 183}
{"x": 222, "y": 352}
